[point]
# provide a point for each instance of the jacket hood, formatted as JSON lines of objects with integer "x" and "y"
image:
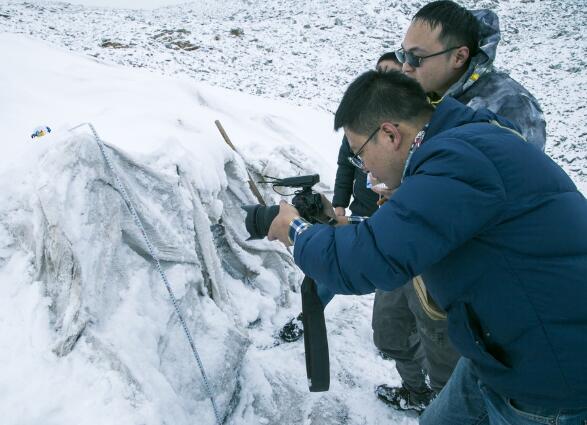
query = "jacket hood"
{"x": 450, "y": 113}
{"x": 482, "y": 62}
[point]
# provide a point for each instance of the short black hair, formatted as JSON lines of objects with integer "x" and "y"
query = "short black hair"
{"x": 375, "y": 97}
{"x": 459, "y": 27}
{"x": 389, "y": 56}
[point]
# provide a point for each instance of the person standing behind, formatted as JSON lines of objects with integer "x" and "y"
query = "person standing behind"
{"x": 395, "y": 331}
{"x": 349, "y": 179}
{"x": 450, "y": 51}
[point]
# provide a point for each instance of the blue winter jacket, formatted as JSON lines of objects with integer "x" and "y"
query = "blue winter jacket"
{"x": 499, "y": 233}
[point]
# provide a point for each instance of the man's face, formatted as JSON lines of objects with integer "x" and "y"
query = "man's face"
{"x": 435, "y": 74}
{"x": 379, "y": 156}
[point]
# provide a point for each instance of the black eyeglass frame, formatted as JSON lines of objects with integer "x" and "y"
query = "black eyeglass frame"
{"x": 356, "y": 159}
{"x": 416, "y": 61}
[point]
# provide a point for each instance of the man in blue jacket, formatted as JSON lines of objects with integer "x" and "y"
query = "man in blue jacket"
{"x": 450, "y": 51}
{"x": 495, "y": 227}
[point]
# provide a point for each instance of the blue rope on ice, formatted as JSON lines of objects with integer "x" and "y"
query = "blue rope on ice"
{"x": 138, "y": 222}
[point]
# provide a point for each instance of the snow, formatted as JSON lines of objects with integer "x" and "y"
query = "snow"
{"x": 127, "y": 4}
{"x": 73, "y": 263}
{"x": 73, "y": 274}
{"x": 307, "y": 52}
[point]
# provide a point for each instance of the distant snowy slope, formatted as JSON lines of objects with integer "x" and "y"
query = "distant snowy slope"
{"x": 307, "y": 52}
{"x": 129, "y": 4}
{"x": 140, "y": 112}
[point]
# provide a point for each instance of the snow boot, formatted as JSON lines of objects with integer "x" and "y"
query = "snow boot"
{"x": 292, "y": 330}
{"x": 401, "y": 398}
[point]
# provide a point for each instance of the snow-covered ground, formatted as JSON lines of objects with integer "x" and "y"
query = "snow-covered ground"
{"x": 307, "y": 52}
{"x": 87, "y": 334}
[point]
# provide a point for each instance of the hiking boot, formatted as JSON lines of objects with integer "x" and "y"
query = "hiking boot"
{"x": 400, "y": 398}
{"x": 292, "y": 330}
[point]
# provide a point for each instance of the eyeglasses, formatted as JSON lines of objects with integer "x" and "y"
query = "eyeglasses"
{"x": 356, "y": 159}
{"x": 406, "y": 56}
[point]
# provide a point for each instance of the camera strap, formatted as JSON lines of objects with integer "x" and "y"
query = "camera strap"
{"x": 315, "y": 338}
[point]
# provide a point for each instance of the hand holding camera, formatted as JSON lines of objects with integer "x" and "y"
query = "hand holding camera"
{"x": 311, "y": 206}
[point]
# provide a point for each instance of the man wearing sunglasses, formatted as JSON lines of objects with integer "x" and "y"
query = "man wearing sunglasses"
{"x": 449, "y": 50}
{"x": 496, "y": 229}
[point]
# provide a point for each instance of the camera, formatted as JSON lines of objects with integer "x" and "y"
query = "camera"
{"x": 306, "y": 201}
{"x": 258, "y": 220}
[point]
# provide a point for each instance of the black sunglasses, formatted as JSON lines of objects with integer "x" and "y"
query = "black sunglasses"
{"x": 415, "y": 61}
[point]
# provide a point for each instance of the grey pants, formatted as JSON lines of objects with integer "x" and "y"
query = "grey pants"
{"x": 405, "y": 333}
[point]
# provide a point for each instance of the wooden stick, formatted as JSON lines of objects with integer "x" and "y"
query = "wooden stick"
{"x": 252, "y": 184}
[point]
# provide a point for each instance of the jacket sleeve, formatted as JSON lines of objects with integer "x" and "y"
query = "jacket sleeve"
{"x": 450, "y": 196}
{"x": 523, "y": 110}
{"x": 345, "y": 174}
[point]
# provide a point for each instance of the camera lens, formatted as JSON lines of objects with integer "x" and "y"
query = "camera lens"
{"x": 259, "y": 219}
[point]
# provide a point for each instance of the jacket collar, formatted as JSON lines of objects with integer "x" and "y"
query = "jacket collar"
{"x": 450, "y": 113}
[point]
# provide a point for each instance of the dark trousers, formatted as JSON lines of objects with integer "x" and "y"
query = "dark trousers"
{"x": 405, "y": 333}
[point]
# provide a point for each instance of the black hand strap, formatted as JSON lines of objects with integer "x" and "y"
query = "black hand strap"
{"x": 315, "y": 338}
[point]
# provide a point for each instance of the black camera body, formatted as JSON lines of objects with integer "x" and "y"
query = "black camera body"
{"x": 306, "y": 201}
